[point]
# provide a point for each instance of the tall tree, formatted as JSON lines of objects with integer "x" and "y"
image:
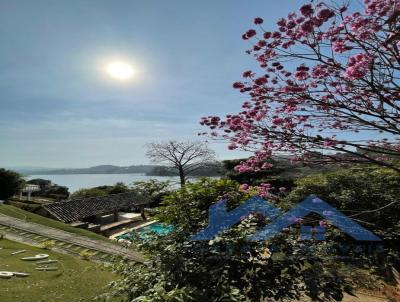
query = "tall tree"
{"x": 329, "y": 89}
{"x": 11, "y": 183}
{"x": 185, "y": 157}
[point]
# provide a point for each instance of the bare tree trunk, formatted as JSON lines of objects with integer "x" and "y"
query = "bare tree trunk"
{"x": 182, "y": 176}
{"x": 142, "y": 212}
{"x": 185, "y": 157}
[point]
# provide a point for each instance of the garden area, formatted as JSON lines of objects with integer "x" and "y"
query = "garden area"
{"x": 74, "y": 280}
{"x": 308, "y": 211}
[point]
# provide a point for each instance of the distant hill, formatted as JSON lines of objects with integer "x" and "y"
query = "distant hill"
{"x": 102, "y": 169}
{"x": 27, "y": 170}
{"x": 149, "y": 170}
{"x": 214, "y": 169}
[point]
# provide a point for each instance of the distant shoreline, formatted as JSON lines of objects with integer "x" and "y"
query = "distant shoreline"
{"x": 84, "y": 173}
{"x": 75, "y": 182}
{"x": 144, "y": 170}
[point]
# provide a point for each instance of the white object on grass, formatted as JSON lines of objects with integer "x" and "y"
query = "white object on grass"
{"x": 18, "y": 274}
{"x": 46, "y": 268}
{"x": 6, "y": 275}
{"x": 18, "y": 252}
{"x": 36, "y": 257}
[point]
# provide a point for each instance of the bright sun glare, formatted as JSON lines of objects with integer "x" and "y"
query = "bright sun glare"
{"x": 120, "y": 70}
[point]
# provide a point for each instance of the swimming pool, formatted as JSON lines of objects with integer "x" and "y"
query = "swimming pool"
{"x": 157, "y": 227}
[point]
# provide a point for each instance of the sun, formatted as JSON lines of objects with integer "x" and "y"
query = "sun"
{"x": 120, "y": 70}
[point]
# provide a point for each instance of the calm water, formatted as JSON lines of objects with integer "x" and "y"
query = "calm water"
{"x": 78, "y": 181}
{"x": 158, "y": 228}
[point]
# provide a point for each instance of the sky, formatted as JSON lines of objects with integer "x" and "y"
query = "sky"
{"x": 59, "y": 107}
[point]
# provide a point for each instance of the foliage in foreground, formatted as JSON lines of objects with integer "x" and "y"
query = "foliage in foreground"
{"x": 227, "y": 268}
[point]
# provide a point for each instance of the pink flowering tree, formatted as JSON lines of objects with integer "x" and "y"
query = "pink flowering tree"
{"x": 328, "y": 90}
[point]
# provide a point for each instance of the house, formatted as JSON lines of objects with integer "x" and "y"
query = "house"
{"x": 28, "y": 190}
{"x": 98, "y": 214}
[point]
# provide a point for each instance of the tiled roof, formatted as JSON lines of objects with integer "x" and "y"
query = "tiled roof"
{"x": 78, "y": 209}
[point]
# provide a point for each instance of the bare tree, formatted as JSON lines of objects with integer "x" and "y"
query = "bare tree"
{"x": 185, "y": 157}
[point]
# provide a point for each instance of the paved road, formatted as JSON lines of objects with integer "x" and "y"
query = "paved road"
{"x": 57, "y": 234}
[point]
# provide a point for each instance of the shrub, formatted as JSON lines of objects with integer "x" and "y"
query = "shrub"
{"x": 48, "y": 244}
{"x": 86, "y": 255}
{"x": 118, "y": 188}
{"x": 101, "y": 191}
{"x": 188, "y": 206}
{"x": 85, "y": 193}
{"x": 370, "y": 196}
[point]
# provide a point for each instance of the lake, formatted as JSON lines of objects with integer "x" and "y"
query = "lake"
{"x": 75, "y": 182}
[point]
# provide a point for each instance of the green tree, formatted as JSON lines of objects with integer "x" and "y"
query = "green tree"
{"x": 101, "y": 191}
{"x": 119, "y": 188}
{"x": 10, "y": 183}
{"x": 188, "y": 206}
{"x": 368, "y": 195}
{"x": 49, "y": 189}
{"x": 156, "y": 190}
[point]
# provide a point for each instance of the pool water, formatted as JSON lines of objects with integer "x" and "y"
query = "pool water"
{"x": 157, "y": 227}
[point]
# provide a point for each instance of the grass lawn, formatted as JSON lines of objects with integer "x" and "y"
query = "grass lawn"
{"x": 28, "y": 216}
{"x": 76, "y": 279}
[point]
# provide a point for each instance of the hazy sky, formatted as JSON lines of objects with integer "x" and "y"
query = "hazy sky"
{"x": 59, "y": 108}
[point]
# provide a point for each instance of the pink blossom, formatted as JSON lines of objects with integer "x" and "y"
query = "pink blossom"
{"x": 232, "y": 146}
{"x": 244, "y": 187}
{"x": 325, "y": 14}
{"x": 258, "y": 20}
{"x": 260, "y": 81}
{"x": 357, "y": 66}
{"x": 329, "y": 143}
{"x": 307, "y": 27}
{"x": 299, "y": 220}
{"x": 247, "y": 74}
{"x": 340, "y": 46}
{"x": 323, "y": 223}
{"x": 287, "y": 107}
{"x": 238, "y": 85}
{"x": 251, "y": 33}
{"x": 267, "y": 35}
{"x": 301, "y": 75}
{"x": 306, "y": 10}
{"x": 278, "y": 121}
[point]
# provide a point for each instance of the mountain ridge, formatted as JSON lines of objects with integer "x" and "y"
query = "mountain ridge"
{"x": 100, "y": 169}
